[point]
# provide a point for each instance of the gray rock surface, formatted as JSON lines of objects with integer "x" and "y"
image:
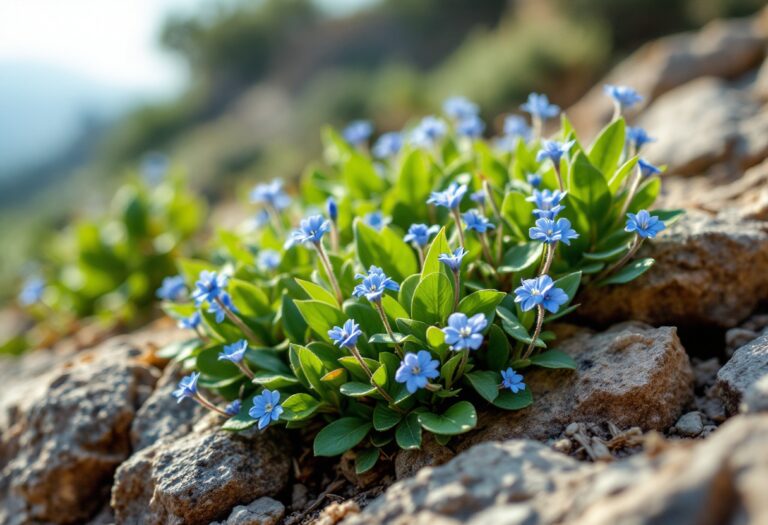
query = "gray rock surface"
{"x": 756, "y": 398}
{"x": 748, "y": 365}
{"x": 263, "y": 511}
{"x": 690, "y": 424}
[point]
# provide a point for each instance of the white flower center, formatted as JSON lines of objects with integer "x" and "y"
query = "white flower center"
{"x": 465, "y": 332}
{"x": 268, "y": 407}
{"x": 415, "y": 369}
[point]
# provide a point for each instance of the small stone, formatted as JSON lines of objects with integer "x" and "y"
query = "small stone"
{"x": 748, "y": 364}
{"x": 563, "y": 445}
{"x": 299, "y": 497}
{"x": 263, "y": 511}
{"x": 571, "y": 429}
{"x": 690, "y": 424}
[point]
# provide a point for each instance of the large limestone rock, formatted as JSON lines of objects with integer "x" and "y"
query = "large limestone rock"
{"x": 747, "y": 366}
{"x": 632, "y": 375}
{"x": 745, "y": 198}
{"x": 708, "y": 271}
{"x": 200, "y": 477}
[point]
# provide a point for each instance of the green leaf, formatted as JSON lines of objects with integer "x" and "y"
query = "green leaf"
{"x": 366, "y": 459}
{"x": 512, "y": 325}
{"x": 294, "y": 325}
{"x": 393, "y": 309}
{"x": 385, "y": 338}
{"x": 408, "y": 433}
{"x": 313, "y": 370}
{"x": 433, "y": 299}
{"x": 407, "y": 288}
{"x": 448, "y": 370}
{"x": 521, "y": 257}
{"x": 553, "y": 359}
{"x": 266, "y": 359}
{"x": 608, "y": 255}
{"x": 340, "y": 436}
{"x": 208, "y": 364}
{"x": 590, "y": 189}
{"x": 299, "y": 407}
{"x": 384, "y": 249}
{"x": 438, "y": 246}
{"x": 570, "y": 285}
{"x": 485, "y": 383}
{"x": 509, "y": 401}
{"x": 630, "y": 272}
{"x": 668, "y": 217}
{"x": 385, "y": 418}
{"x": 320, "y": 316}
{"x": 518, "y": 213}
{"x": 356, "y": 389}
{"x": 458, "y": 419}
{"x": 274, "y": 381}
{"x": 497, "y": 354}
{"x": 604, "y": 154}
{"x": 351, "y": 364}
{"x": 249, "y": 299}
{"x": 482, "y": 302}
{"x": 317, "y": 292}
{"x": 621, "y": 174}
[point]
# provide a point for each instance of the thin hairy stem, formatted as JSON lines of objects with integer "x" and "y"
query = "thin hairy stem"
{"x": 326, "y": 262}
{"x": 536, "y": 332}
{"x": 238, "y": 322}
{"x": 356, "y": 353}
{"x": 457, "y": 220}
{"x": 210, "y": 406}
{"x": 388, "y": 328}
{"x": 636, "y": 243}
{"x": 456, "y": 287}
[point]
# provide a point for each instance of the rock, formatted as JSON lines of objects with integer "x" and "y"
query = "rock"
{"x": 431, "y": 453}
{"x": 748, "y": 331}
{"x": 630, "y": 375}
{"x": 198, "y": 478}
{"x": 263, "y": 511}
{"x": 70, "y": 431}
{"x": 756, "y": 398}
{"x": 690, "y": 424}
{"x": 760, "y": 87}
{"x": 708, "y": 271}
{"x": 748, "y": 364}
{"x": 716, "y": 481}
{"x": 335, "y": 512}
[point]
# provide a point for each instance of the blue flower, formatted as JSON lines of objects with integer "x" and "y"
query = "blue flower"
{"x": 516, "y": 126}
{"x": 374, "y": 284}
{"x": 554, "y": 151}
{"x": 542, "y": 291}
{"x": 376, "y": 220}
{"x": 644, "y": 224}
{"x": 31, "y": 291}
{"x": 259, "y": 220}
{"x": 419, "y": 234}
{"x": 215, "y": 308}
{"x": 550, "y": 232}
{"x": 234, "y": 352}
{"x": 311, "y": 230}
{"x": 547, "y": 203}
{"x": 271, "y": 194}
{"x": 460, "y": 108}
{"x": 647, "y": 169}
{"x": 209, "y": 286}
{"x": 233, "y": 408}
{"x": 172, "y": 288}
{"x": 428, "y": 132}
{"x": 388, "y": 145}
{"x": 463, "y": 332}
{"x": 345, "y": 336}
{"x": 266, "y": 408}
{"x": 268, "y": 259}
{"x": 512, "y": 380}
{"x": 453, "y": 261}
{"x": 638, "y": 137}
{"x": 357, "y": 132}
{"x": 624, "y": 96}
{"x": 477, "y": 196}
{"x": 333, "y": 208}
{"x": 534, "y": 179}
{"x": 450, "y": 198}
{"x": 187, "y": 387}
{"x": 539, "y": 107}
{"x": 154, "y": 166}
{"x": 416, "y": 370}
{"x": 191, "y": 322}
{"x": 472, "y": 127}
{"x": 477, "y": 221}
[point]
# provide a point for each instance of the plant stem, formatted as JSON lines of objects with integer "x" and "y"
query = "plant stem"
{"x": 356, "y": 353}
{"x": 200, "y": 334}
{"x": 210, "y": 406}
{"x": 388, "y": 328}
{"x": 536, "y": 332}
{"x": 549, "y": 252}
{"x": 420, "y": 251}
{"x": 559, "y": 175}
{"x": 538, "y": 126}
{"x": 636, "y": 243}
{"x": 486, "y": 249}
{"x": 497, "y": 213}
{"x": 616, "y": 111}
{"x": 244, "y": 368}
{"x": 457, "y": 220}
{"x": 334, "y": 236}
{"x": 456, "y": 286}
{"x": 326, "y": 262}
{"x": 237, "y": 322}
{"x": 631, "y": 194}
{"x": 275, "y": 216}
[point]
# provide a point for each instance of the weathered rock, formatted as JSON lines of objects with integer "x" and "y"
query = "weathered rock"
{"x": 431, "y": 453}
{"x": 69, "y": 432}
{"x": 632, "y": 375}
{"x": 717, "y": 481}
{"x": 748, "y": 364}
{"x": 711, "y": 271}
{"x": 198, "y": 478}
{"x": 263, "y": 511}
{"x": 690, "y": 424}
{"x": 756, "y": 398}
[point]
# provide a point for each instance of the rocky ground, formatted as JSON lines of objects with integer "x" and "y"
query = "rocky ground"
{"x": 665, "y": 421}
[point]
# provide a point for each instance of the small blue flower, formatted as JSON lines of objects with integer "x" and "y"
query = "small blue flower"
{"x": 388, "y": 145}
{"x": 416, "y": 370}
{"x": 266, "y": 408}
{"x": 191, "y": 322}
{"x": 268, "y": 260}
{"x": 310, "y": 231}
{"x": 154, "y": 166}
{"x": 624, "y": 96}
{"x": 547, "y": 203}
{"x": 376, "y": 220}
{"x": 554, "y": 151}
{"x": 463, "y": 332}
{"x": 534, "y": 179}
{"x": 472, "y": 127}
{"x": 31, "y": 291}
{"x": 647, "y": 169}
{"x": 539, "y": 106}
{"x": 638, "y": 137}
{"x": 259, "y": 220}
{"x": 516, "y": 126}
{"x": 459, "y": 108}
{"x": 644, "y": 224}
{"x": 233, "y": 408}
{"x": 428, "y": 132}
{"x": 187, "y": 387}
{"x": 215, "y": 308}
{"x": 333, "y": 208}
{"x": 512, "y": 380}
{"x": 450, "y": 198}
{"x": 548, "y": 231}
{"x": 172, "y": 288}
{"x": 453, "y": 260}
{"x": 357, "y": 132}
{"x": 477, "y": 221}
{"x": 419, "y": 234}
{"x": 347, "y": 335}
{"x": 477, "y": 196}
{"x": 542, "y": 291}
{"x": 209, "y": 286}
{"x": 234, "y": 352}
{"x": 374, "y": 284}
{"x": 271, "y": 194}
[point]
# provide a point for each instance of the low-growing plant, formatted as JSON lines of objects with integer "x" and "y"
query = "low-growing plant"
{"x": 420, "y": 282}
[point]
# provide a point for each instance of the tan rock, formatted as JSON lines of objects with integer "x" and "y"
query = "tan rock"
{"x": 748, "y": 365}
